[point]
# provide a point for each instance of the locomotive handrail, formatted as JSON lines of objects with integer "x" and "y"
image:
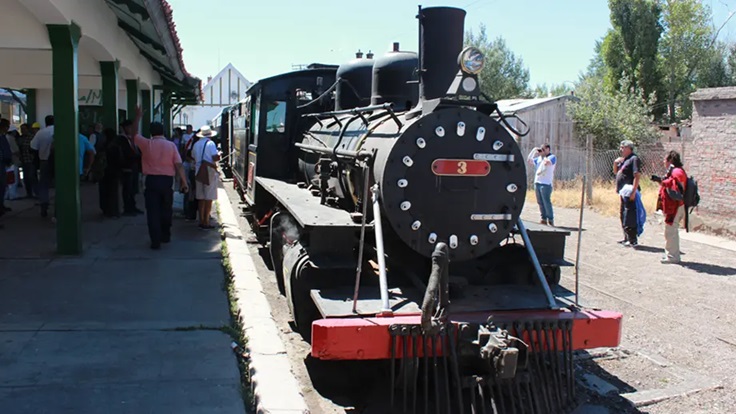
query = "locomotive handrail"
{"x": 353, "y": 111}
{"x": 362, "y": 154}
{"x": 537, "y": 267}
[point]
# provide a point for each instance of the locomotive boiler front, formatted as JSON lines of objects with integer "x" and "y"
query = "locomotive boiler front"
{"x": 454, "y": 175}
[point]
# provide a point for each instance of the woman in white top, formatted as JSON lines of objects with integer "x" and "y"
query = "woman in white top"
{"x": 206, "y": 156}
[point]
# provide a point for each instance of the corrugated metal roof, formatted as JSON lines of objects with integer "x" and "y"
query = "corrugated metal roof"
{"x": 518, "y": 105}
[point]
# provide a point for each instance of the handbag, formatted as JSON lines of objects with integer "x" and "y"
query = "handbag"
{"x": 203, "y": 175}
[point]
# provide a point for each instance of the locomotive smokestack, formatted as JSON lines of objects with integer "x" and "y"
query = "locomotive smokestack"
{"x": 396, "y": 47}
{"x": 359, "y": 54}
{"x": 441, "y": 32}
{"x": 369, "y": 55}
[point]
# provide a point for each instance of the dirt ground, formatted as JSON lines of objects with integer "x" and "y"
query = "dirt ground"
{"x": 679, "y": 336}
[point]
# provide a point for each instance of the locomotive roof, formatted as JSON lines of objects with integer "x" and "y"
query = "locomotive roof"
{"x": 289, "y": 75}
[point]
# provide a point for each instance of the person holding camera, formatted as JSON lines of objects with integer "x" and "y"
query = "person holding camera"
{"x": 671, "y": 191}
{"x": 544, "y": 163}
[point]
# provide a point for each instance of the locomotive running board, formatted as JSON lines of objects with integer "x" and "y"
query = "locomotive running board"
{"x": 370, "y": 339}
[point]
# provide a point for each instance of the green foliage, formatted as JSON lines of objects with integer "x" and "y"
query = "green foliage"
{"x": 685, "y": 43}
{"x": 630, "y": 49}
{"x": 609, "y": 116}
{"x": 504, "y": 74}
{"x": 713, "y": 70}
{"x": 543, "y": 91}
{"x": 731, "y": 62}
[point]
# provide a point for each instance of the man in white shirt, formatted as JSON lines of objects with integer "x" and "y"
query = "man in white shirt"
{"x": 544, "y": 163}
{"x": 42, "y": 142}
{"x": 206, "y": 156}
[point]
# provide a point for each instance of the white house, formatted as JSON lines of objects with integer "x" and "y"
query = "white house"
{"x": 226, "y": 88}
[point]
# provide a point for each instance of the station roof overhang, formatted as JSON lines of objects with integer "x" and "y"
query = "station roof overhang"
{"x": 150, "y": 26}
{"x": 140, "y": 34}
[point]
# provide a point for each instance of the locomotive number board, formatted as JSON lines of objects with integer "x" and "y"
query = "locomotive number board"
{"x": 463, "y": 168}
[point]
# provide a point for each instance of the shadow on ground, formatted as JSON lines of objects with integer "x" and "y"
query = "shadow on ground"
{"x": 710, "y": 269}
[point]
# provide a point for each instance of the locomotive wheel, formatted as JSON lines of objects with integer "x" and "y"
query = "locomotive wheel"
{"x": 303, "y": 309}
{"x": 276, "y": 250}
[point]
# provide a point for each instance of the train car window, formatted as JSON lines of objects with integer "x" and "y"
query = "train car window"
{"x": 276, "y": 117}
{"x": 255, "y": 114}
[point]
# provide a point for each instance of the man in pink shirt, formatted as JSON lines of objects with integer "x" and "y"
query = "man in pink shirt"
{"x": 161, "y": 162}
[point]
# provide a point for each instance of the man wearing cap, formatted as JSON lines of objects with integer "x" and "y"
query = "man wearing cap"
{"x": 627, "y": 168}
{"x": 161, "y": 162}
{"x": 205, "y": 156}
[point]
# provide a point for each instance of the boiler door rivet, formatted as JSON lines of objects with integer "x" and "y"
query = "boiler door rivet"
{"x": 473, "y": 240}
{"x": 511, "y": 188}
{"x": 453, "y": 241}
{"x": 440, "y": 131}
{"x": 460, "y": 128}
{"x": 497, "y": 145}
{"x": 480, "y": 134}
{"x": 403, "y": 183}
{"x": 432, "y": 238}
{"x": 416, "y": 225}
{"x": 405, "y": 205}
{"x": 493, "y": 227}
{"x": 408, "y": 161}
{"x": 421, "y": 143}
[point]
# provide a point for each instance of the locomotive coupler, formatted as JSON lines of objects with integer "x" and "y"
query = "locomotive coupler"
{"x": 500, "y": 352}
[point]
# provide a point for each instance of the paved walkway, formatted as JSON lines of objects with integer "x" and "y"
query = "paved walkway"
{"x": 120, "y": 329}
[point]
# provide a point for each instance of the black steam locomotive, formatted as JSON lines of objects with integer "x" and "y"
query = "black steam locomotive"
{"x": 389, "y": 193}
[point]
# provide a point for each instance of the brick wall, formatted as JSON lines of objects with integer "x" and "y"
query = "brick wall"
{"x": 711, "y": 158}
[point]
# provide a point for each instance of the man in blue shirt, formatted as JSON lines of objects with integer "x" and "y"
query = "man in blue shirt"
{"x": 544, "y": 163}
{"x": 85, "y": 147}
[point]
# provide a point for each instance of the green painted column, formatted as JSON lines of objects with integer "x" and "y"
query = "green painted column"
{"x": 166, "y": 112}
{"x": 147, "y": 112}
{"x": 131, "y": 92}
{"x": 64, "y": 41}
{"x": 31, "y": 107}
{"x": 109, "y": 71}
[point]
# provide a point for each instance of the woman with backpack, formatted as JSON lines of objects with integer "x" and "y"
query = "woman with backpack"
{"x": 671, "y": 195}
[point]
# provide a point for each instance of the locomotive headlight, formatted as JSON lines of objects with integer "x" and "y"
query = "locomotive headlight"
{"x": 471, "y": 60}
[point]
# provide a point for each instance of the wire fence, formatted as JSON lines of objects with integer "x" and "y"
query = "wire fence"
{"x": 574, "y": 162}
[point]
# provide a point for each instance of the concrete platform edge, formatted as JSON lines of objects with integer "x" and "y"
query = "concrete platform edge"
{"x": 273, "y": 384}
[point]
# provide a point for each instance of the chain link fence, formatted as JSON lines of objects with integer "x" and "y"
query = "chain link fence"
{"x": 573, "y": 163}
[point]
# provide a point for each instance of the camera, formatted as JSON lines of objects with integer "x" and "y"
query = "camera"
{"x": 656, "y": 178}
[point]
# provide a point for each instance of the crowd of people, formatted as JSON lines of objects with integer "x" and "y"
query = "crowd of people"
{"x": 632, "y": 212}
{"x": 115, "y": 160}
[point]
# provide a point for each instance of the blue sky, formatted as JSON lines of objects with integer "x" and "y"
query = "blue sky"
{"x": 261, "y": 38}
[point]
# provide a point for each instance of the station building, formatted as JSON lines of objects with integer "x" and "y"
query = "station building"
{"x": 88, "y": 61}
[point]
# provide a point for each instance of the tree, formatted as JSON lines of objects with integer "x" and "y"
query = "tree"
{"x": 685, "y": 43}
{"x": 629, "y": 50}
{"x": 731, "y": 61}
{"x": 543, "y": 91}
{"x": 504, "y": 74}
{"x": 713, "y": 70}
{"x": 610, "y": 116}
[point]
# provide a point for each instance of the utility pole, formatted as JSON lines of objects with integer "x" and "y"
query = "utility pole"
{"x": 588, "y": 168}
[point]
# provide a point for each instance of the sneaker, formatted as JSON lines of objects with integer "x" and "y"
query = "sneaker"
{"x": 542, "y": 221}
{"x": 551, "y": 223}
{"x": 667, "y": 260}
{"x": 630, "y": 244}
{"x": 624, "y": 241}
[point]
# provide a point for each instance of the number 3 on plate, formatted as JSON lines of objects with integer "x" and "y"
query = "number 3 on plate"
{"x": 462, "y": 167}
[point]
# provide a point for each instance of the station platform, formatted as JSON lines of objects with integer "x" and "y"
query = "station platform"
{"x": 120, "y": 328}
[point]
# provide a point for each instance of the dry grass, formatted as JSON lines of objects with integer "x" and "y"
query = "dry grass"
{"x": 605, "y": 199}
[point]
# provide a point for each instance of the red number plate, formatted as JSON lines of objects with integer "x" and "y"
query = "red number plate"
{"x": 471, "y": 168}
